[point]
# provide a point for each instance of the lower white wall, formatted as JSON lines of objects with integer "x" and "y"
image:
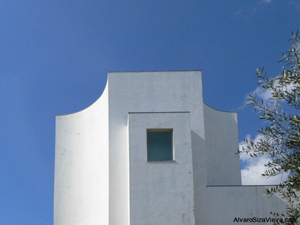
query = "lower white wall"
{"x": 227, "y": 203}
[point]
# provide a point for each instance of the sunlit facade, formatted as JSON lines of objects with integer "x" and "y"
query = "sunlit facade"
{"x": 149, "y": 151}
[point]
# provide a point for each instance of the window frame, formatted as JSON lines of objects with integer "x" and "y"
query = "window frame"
{"x": 161, "y": 130}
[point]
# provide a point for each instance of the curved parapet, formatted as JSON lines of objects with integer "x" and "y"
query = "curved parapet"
{"x": 81, "y": 166}
{"x": 221, "y": 142}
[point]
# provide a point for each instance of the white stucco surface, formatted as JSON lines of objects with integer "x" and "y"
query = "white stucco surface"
{"x": 221, "y": 143}
{"x": 150, "y": 92}
{"x": 102, "y": 176}
{"x": 161, "y": 192}
{"x": 81, "y": 166}
{"x": 226, "y": 203}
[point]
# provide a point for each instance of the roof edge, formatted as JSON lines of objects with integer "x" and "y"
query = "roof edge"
{"x": 153, "y": 71}
{"x": 224, "y": 111}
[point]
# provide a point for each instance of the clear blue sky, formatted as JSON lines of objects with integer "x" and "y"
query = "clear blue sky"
{"x": 55, "y": 55}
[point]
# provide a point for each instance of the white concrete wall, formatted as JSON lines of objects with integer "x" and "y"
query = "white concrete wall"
{"x": 96, "y": 182}
{"x": 81, "y": 166}
{"x": 221, "y": 143}
{"x": 151, "y": 92}
{"x": 161, "y": 192}
{"x": 226, "y": 203}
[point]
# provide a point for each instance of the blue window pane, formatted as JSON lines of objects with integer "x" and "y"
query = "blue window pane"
{"x": 159, "y": 145}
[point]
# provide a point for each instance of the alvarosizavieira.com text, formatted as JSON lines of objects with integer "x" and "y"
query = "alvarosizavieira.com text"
{"x": 261, "y": 220}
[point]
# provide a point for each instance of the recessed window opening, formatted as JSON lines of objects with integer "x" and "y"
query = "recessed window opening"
{"x": 160, "y": 144}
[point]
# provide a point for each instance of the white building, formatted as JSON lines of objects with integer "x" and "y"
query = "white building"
{"x": 149, "y": 151}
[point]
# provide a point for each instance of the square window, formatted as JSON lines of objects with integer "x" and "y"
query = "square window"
{"x": 159, "y": 144}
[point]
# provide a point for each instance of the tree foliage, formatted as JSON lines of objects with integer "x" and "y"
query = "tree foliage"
{"x": 281, "y": 130}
